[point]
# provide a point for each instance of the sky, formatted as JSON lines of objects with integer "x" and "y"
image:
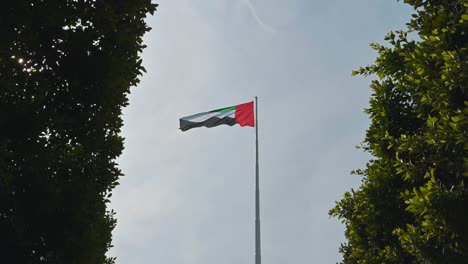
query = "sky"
{"x": 188, "y": 197}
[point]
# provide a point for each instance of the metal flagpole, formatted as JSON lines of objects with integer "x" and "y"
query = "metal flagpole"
{"x": 258, "y": 255}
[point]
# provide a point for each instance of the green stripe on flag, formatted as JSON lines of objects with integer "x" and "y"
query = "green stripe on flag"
{"x": 224, "y": 110}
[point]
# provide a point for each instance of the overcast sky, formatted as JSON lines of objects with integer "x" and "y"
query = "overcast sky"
{"x": 188, "y": 197}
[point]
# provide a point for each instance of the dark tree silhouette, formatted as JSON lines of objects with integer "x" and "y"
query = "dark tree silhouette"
{"x": 66, "y": 67}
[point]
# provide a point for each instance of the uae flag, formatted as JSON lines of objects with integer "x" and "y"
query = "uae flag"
{"x": 242, "y": 114}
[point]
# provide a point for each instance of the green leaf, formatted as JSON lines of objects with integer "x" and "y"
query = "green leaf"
{"x": 458, "y": 118}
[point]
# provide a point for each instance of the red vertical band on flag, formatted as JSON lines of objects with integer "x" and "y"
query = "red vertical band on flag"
{"x": 245, "y": 114}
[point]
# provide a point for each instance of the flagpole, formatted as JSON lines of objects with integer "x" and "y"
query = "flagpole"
{"x": 258, "y": 255}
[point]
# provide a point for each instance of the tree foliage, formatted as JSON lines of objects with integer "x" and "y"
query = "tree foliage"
{"x": 66, "y": 67}
{"x": 412, "y": 204}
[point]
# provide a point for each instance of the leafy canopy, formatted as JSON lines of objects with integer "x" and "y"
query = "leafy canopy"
{"x": 66, "y": 67}
{"x": 412, "y": 204}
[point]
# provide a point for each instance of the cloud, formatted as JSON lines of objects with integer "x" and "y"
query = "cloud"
{"x": 254, "y": 14}
{"x": 188, "y": 198}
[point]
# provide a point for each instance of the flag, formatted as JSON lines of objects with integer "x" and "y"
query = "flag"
{"x": 242, "y": 114}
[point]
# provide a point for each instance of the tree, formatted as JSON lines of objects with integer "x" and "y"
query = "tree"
{"x": 66, "y": 67}
{"x": 412, "y": 204}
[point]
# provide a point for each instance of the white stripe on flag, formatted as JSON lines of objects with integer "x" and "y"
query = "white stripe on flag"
{"x": 201, "y": 117}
